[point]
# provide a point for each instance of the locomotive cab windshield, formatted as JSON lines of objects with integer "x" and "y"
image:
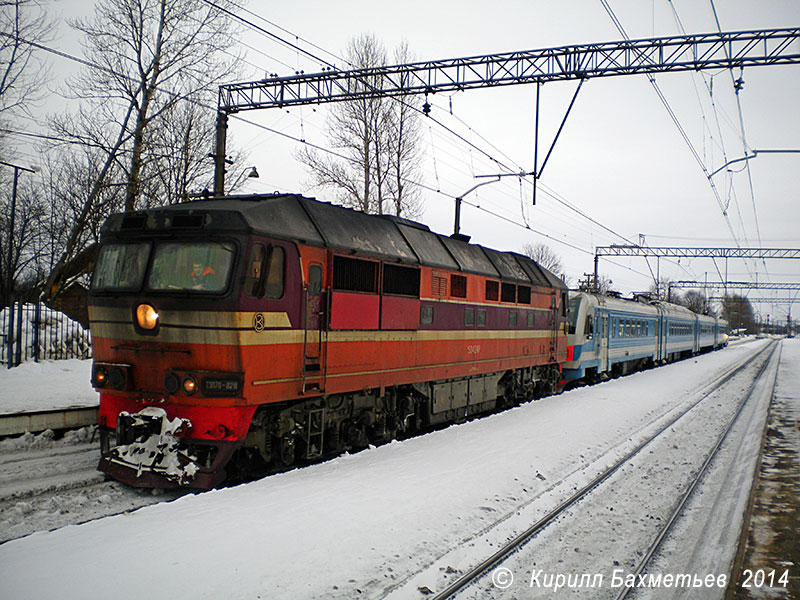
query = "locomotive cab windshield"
{"x": 163, "y": 267}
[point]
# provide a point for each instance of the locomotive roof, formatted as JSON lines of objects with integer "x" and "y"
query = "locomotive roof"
{"x": 294, "y": 217}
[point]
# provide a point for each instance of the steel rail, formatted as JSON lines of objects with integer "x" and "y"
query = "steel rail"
{"x": 521, "y": 539}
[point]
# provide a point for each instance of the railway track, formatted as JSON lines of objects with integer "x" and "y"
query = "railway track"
{"x": 508, "y": 548}
{"x": 48, "y": 487}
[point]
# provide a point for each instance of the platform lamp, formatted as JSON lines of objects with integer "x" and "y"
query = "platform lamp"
{"x": 10, "y": 274}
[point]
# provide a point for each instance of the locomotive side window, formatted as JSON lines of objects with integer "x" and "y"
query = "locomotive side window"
{"x": 400, "y": 281}
{"x": 508, "y": 292}
{"x": 274, "y": 282}
{"x": 255, "y": 270}
{"x": 354, "y": 275}
{"x": 458, "y": 286}
{"x": 200, "y": 266}
{"x": 492, "y": 290}
{"x": 523, "y": 294}
{"x": 121, "y": 267}
{"x": 265, "y": 272}
{"x": 314, "y": 279}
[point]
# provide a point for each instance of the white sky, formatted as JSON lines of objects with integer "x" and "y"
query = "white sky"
{"x": 620, "y": 159}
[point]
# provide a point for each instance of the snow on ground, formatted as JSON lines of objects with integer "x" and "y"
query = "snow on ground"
{"x": 353, "y": 526}
{"x": 47, "y": 385}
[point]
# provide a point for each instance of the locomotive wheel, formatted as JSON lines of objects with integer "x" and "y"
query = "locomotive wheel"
{"x": 286, "y": 450}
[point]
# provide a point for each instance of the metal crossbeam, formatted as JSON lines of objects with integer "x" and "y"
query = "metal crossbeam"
{"x": 758, "y": 300}
{"x": 720, "y": 50}
{"x": 756, "y": 253}
{"x": 734, "y": 285}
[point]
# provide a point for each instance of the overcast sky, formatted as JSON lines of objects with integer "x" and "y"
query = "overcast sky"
{"x": 619, "y": 160}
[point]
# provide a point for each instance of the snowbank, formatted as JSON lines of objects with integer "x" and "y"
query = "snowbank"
{"x": 47, "y": 385}
{"x": 59, "y": 336}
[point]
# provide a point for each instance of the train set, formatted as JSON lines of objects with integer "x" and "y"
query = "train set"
{"x": 238, "y": 336}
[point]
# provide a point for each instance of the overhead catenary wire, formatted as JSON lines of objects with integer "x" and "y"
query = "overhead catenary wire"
{"x": 498, "y": 163}
{"x": 737, "y": 85}
{"x": 488, "y": 155}
{"x": 681, "y": 130}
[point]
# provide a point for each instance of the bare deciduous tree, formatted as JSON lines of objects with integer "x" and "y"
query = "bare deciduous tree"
{"x": 149, "y": 57}
{"x": 695, "y": 301}
{"x": 662, "y": 290}
{"x": 22, "y": 73}
{"x": 379, "y": 138}
{"x": 177, "y": 164}
{"x": 28, "y": 239}
{"x": 739, "y": 313}
{"x": 544, "y": 256}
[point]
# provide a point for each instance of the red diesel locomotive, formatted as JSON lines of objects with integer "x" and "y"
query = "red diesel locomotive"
{"x": 237, "y": 336}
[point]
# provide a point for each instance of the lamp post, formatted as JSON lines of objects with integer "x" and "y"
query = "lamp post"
{"x": 495, "y": 178}
{"x": 10, "y": 274}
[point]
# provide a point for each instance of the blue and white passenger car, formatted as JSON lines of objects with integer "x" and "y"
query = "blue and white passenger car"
{"x": 609, "y": 336}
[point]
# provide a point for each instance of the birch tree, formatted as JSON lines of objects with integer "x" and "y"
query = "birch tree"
{"x": 378, "y": 139}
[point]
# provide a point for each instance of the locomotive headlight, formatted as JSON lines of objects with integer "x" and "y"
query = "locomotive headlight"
{"x": 190, "y": 385}
{"x": 146, "y": 317}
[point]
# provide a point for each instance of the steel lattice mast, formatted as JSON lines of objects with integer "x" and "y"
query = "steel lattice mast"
{"x": 680, "y": 252}
{"x": 627, "y": 57}
{"x": 733, "y": 285}
{"x": 684, "y": 252}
